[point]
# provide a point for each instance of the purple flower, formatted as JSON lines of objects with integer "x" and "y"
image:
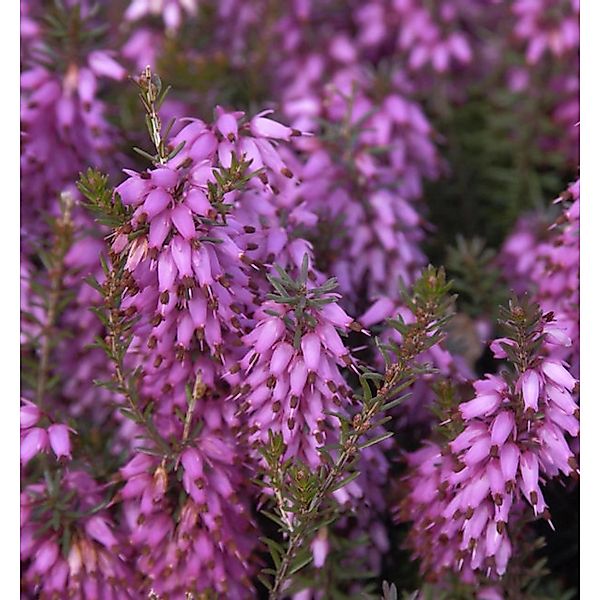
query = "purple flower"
{"x": 293, "y": 383}
{"x": 547, "y": 26}
{"x": 547, "y": 259}
{"x": 95, "y": 563}
{"x": 58, "y": 435}
{"x": 171, "y": 11}
{"x": 33, "y": 441}
{"x": 64, "y": 121}
{"x": 461, "y": 500}
{"x": 320, "y": 548}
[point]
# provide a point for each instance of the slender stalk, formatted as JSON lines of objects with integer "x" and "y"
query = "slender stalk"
{"x": 348, "y": 453}
{"x": 152, "y": 96}
{"x": 63, "y": 237}
{"x": 197, "y": 393}
{"x": 286, "y": 562}
{"x": 116, "y": 347}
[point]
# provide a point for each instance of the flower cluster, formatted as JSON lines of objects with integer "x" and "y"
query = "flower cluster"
{"x": 464, "y": 496}
{"x": 544, "y": 260}
{"x": 368, "y": 195}
{"x": 293, "y": 383}
{"x": 194, "y": 246}
{"x": 64, "y": 121}
{"x": 191, "y": 530}
{"x": 547, "y": 26}
{"x": 69, "y": 543}
{"x": 427, "y": 34}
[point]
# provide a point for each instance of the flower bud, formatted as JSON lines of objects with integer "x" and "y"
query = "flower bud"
{"x": 320, "y": 548}
{"x": 59, "y": 440}
{"x": 530, "y": 388}
{"x": 34, "y": 442}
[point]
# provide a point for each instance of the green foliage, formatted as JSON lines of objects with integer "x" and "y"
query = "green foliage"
{"x": 297, "y": 294}
{"x": 431, "y": 305}
{"x": 475, "y": 277}
{"x": 68, "y": 32}
{"x": 496, "y": 168}
{"x": 102, "y": 202}
{"x": 522, "y": 321}
{"x": 444, "y": 408}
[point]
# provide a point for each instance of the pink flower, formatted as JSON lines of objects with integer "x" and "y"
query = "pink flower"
{"x": 320, "y": 548}
{"x": 467, "y": 495}
{"x": 58, "y": 435}
{"x": 556, "y": 373}
{"x": 30, "y": 414}
{"x": 480, "y": 406}
{"x": 530, "y": 387}
{"x": 263, "y": 127}
{"x": 34, "y": 442}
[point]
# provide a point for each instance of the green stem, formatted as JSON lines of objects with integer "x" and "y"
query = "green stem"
{"x": 116, "y": 355}
{"x": 62, "y": 242}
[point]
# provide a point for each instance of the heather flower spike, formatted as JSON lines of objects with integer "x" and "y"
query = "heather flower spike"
{"x": 514, "y": 438}
{"x": 294, "y": 360}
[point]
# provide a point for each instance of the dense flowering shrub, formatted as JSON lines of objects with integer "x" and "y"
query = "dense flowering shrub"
{"x": 239, "y": 377}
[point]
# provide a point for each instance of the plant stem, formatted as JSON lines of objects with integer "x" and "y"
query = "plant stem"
{"x": 286, "y": 562}
{"x": 150, "y": 95}
{"x": 197, "y": 393}
{"x": 63, "y": 236}
{"x": 116, "y": 351}
{"x": 349, "y": 452}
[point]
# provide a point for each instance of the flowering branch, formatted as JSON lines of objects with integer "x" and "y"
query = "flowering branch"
{"x": 505, "y": 443}
{"x": 116, "y": 345}
{"x": 303, "y": 498}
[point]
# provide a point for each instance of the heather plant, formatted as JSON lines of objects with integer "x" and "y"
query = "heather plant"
{"x": 303, "y": 495}
{"x": 466, "y": 492}
{"x": 239, "y": 377}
